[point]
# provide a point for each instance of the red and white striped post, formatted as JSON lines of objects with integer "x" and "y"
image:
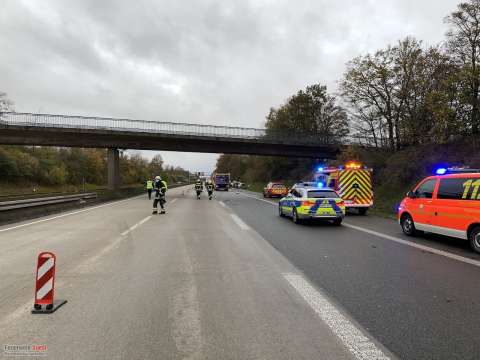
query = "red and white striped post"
{"x": 45, "y": 280}
{"x": 45, "y": 283}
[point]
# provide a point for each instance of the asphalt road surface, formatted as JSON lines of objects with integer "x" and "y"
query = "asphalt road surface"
{"x": 230, "y": 279}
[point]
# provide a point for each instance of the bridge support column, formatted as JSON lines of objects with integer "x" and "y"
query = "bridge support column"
{"x": 113, "y": 164}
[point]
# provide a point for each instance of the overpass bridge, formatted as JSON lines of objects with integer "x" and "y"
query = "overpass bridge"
{"x": 113, "y": 134}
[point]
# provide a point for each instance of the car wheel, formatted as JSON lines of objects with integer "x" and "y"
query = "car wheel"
{"x": 408, "y": 226}
{"x": 337, "y": 222}
{"x": 474, "y": 238}
{"x": 362, "y": 211}
{"x": 280, "y": 211}
{"x": 264, "y": 195}
{"x": 295, "y": 218}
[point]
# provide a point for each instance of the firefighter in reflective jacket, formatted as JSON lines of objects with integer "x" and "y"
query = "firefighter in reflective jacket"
{"x": 209, "y": 187}
{"x": 149, "y": 186}
{"x": 160, "y": 188}
{"x": 198, "y": 188}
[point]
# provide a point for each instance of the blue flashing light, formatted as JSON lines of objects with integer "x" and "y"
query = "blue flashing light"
{"x": 441, "y": 171}
{"x": 320, "y": 185}
{"x": 320, "y": 169}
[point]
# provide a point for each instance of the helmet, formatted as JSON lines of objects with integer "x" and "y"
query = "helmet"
{"x": 158, "y": 177}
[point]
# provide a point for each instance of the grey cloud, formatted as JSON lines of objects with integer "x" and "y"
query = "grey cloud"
{"x": 219, "y": 62}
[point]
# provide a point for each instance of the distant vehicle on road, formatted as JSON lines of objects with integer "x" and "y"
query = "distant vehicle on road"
{"x": 237, "y": 185}
{"x": 353, "y": 182}
{"x": 447, "y": 204}
{"x": 311, "y": 203}
{"x": 275, "y": 189}
{"x": 221, "y": 181}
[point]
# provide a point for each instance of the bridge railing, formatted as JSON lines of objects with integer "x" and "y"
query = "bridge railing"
{"x": 156, "y": 127}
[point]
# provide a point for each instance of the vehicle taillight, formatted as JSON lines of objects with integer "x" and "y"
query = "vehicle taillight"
{"x": 340, "y": 203}
{"x": 308, "y": 203}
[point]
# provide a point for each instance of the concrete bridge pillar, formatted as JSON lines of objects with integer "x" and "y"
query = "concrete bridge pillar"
{"x": 113, "y": 164}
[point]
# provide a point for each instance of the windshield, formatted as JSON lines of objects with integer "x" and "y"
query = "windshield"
{"x": 223, "y": 179}
{"x": 322, "y": 194}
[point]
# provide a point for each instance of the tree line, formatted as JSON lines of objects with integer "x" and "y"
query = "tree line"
{"x": 399, "y": 97}
{"x": 75, "y": 166}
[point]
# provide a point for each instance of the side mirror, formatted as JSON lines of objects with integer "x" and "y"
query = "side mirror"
{"x": 411, "y": 195}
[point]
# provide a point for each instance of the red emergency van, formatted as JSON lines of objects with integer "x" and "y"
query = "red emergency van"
{"x": 447, "y": 204}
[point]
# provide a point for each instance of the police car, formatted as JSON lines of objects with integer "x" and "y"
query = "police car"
{"x": 309, "y": 201}
{"x": 447, "y": 204}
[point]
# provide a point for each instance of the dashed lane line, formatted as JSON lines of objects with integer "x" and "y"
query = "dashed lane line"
{"x": 358, "y": 343}
{"x": 133, "y": 227}
{"x": 240, "y": 222}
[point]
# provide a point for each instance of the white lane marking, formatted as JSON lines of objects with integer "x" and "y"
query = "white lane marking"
{"x": 256, "y": 198}
{"x": 45, "y": 289}
{"x": 68, "y": 214}
{"x": 222, "y": 203}
{"x": 47, "y": 265}
{"x": 239, "y": 222}
{"x": 133, "y": 227}
{"x": 415, "y": 245}
{"x": 184, "y": 311}
{"x": 351, "y": 336}
{"x": 399, "y": 240}
{"x": 171, "y": 202}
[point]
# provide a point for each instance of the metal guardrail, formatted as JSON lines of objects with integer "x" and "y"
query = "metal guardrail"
{"x": 155, "y": 127}
{"x": 36, "y": 202}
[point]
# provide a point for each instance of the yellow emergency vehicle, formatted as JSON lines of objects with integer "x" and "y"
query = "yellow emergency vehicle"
{"x": 353, "y": 182}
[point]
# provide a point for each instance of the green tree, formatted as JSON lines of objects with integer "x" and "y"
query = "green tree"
{"x": 312, "y": 112}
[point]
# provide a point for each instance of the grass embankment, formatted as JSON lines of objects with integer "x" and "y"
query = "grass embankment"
{"x": 256, "y": 187}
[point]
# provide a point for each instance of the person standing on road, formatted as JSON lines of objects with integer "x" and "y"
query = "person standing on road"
{"x": 209, "y": 187}
{"x": 160, "y": 188}
{"x": 149, "y": 186}
{"x": 198, "y": 188}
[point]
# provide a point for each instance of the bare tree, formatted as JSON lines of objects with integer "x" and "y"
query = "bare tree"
{"x": 463, "y": 41}
{"x": 5, "y": 103}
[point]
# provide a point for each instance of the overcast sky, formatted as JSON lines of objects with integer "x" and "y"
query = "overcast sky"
{"x": 214, "y": 62}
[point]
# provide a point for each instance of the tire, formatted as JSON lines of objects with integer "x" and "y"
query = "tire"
{"x": 474, "y": 239}
{"x": 363, "y": 211}
{"x": 264, "y": 195}
{"x": 337, "y": 222}
{"x": 295, "y": 218}
{"x": 280, "y": 211}
{"x": 408, "y": 226}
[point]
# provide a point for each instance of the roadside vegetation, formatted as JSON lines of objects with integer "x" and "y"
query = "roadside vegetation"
{"x": 408, "y": 107}
{"x": 48, "y": 169}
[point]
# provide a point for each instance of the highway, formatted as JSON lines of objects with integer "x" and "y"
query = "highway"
{"x": 230, "y": 279}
